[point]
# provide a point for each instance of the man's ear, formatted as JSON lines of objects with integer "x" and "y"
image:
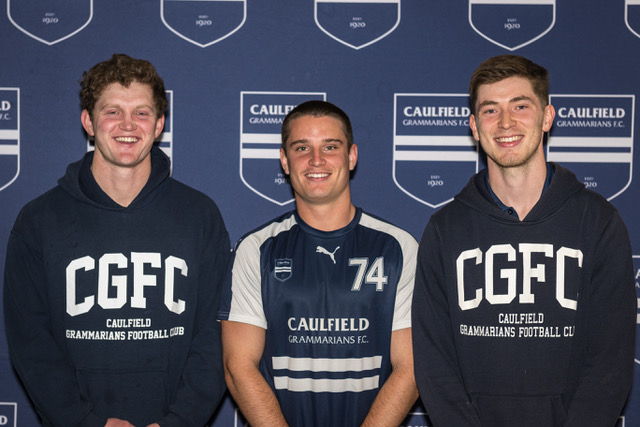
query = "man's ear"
{"x": 283, "y": 161}
{"x": 87, "y": 123}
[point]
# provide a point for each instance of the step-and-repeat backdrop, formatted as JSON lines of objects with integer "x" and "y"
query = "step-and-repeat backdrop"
{"x": 399, "y": 68}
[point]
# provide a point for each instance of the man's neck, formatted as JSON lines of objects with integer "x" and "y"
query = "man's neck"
{"x": 519, "y": 188}
{"x": 122, "y": 185}
{"x": 327, "y": 217}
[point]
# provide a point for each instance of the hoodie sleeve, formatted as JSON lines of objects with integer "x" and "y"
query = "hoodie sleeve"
{"x": 436, "y": 366}
{"x": 36, "y": 355}
{"x": 603, "y": 363}
{"x": 202, "y": 384}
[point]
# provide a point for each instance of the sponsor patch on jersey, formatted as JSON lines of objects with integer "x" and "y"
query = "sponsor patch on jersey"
{"x": 165, "y": 139}
{"x": 261, "y": 116}
{"x": 282, "y": 269}
{"x": 9, "y": 136}
{"x": 512, "y": 24}
{"x": 50, "y": 21}
{"x": 357, "y": 23}
{"x": 203, "y": 22}
{"x": 632, "y": 16}
{"x": 593, "y": 136}
{"x": 8, "y": 414}
{"x": 434, "y": 153}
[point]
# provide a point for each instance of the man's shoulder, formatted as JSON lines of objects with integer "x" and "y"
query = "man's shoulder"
{"x": 381, "y": 225}
{"x": 268, "y": 230}
{"x": 180, "y": 192}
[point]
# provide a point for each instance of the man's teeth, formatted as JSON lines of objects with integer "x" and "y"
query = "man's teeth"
{"x": 126, "y": 139}
{"x": 509, "y": 139}
{"x": 317, "y": 175}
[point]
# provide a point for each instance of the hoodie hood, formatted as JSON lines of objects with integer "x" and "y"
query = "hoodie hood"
{"x": 562, "y": 188}
{"x": 79, "y": 182}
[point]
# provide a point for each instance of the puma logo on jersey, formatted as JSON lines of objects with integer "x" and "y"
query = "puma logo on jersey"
{"x": 322, "y": 250}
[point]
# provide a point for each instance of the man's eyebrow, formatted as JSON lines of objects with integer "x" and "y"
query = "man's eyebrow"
{"x": 324, "y": 141}
{"x": 512, "y": 100}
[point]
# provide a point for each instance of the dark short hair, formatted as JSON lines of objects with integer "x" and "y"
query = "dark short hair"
{"x": 317, "y": 108}
{"x": 124, "y": 70}
{"x": 502, "y": 67}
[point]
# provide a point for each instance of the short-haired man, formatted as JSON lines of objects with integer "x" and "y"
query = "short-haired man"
{"x": 524, "y": 307}
{"x": 113, "y": 277}
{"x": 316, "y": 317}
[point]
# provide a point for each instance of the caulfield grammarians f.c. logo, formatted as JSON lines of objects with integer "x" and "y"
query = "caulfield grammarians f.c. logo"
{"x": 512, "y": 24}
{"x": 357, "y": 23}
{"x": 593, "y": 136}
{"x": 50, "y": 21}
{"x": 203, "y": 22}
{"x": 433, "y": 151}
{"x": 282, "y": 269}
{"x": 9, "y": 136}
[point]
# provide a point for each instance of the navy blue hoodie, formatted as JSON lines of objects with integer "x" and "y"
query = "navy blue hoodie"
{"x": 110, "y": 310}
{"x": 525, "y": 323}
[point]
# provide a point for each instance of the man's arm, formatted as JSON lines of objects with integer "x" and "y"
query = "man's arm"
{"x": 35, "y": 353}
{"x": 605, "y": 333}
{"x": 202, "y": 385}
{"x": 437, "y": 371}
{"x": 243, "y": 345}
{"x": 399, "y": 392}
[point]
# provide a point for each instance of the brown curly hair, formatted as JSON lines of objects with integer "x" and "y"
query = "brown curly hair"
{"x": 124, "y": 70}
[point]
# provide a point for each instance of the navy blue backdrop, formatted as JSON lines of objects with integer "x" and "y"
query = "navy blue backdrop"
{"x": 399, "y": 68}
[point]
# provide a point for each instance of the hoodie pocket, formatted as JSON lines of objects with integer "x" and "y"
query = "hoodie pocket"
{"x": 521, "y": 411}
{"x": 139, "y": 397}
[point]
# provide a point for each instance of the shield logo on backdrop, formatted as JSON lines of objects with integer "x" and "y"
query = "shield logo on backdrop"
{"x": 50, "y": 21}
{"x": 203, "y": 22}
{"x": 593, "y": 136}
{"x": 9, "y": 136}
{"x": 512, "y": 24}
{"x": 165, "y": 139}
{"x": 261, "y": 116}
{"x": 357, "y": 23}
{"x": 632, "y": 16}
{"x": 433, "y": 150}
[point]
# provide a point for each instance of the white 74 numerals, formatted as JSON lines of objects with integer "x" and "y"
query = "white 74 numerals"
{"x": 372, "y": 276}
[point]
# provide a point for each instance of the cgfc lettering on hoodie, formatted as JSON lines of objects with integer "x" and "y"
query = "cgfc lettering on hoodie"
{"x": 475, "y": 257}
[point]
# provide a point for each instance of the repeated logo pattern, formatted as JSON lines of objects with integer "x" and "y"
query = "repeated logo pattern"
{"x": 357, "y": 23}
{"x": 512, "y": 24}
{"x": 9, "y": 136}
{"x": 593, "y": 136}
{"x": 50, "y": 21}
{"x": 203, "y": 22}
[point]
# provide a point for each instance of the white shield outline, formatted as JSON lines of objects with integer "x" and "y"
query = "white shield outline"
{"x": 628, "y": 3}
{"x": 315, "y": 17}
{"x": 273, "y": 139}
{"x": 164, "y": 137}
{"x": 14, "y": 406}
{"x": 442, "y": 156}
{"x": 513, "y": 2}
{"x": 584, "y": 141}
{"x": 179, "y": 34}
{"x": 33, "y": 36}
{"x": 12, "y": 134}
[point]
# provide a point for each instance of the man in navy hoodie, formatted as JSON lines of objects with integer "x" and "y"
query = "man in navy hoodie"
{"x": 524, "y": 304}
{"x": 112, "y": 277}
